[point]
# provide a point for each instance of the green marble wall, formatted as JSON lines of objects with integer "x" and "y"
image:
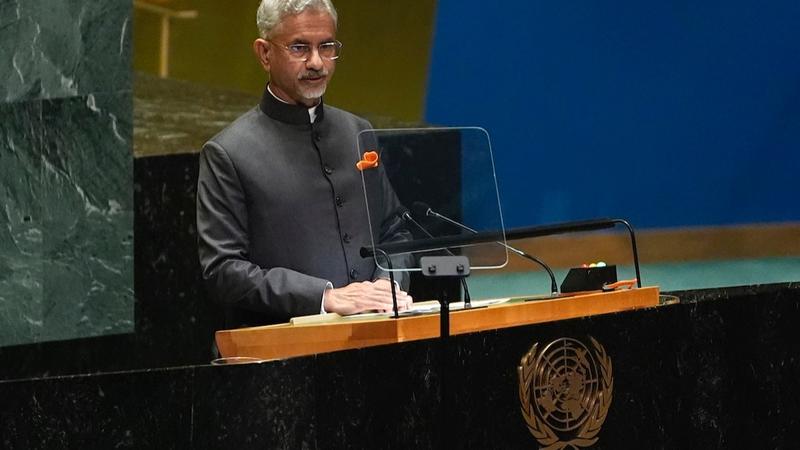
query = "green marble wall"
{"x": 66, "y": 200}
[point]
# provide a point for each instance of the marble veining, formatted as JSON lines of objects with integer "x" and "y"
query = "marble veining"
{"x": 66, "y": 240}
{"x": 68, "y": 218}
{"x": 61, "y": 48}
{"x": 20, "y": 223}
{"x": 88, "y": 221}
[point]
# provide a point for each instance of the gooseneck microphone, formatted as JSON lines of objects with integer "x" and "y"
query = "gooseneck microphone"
{"x": 409, "y": 218}
{"x": 420, "y": 209}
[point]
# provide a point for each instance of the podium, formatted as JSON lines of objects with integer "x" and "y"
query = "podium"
{"x": 716, "y": 370}
{"x": 313, "y": 337}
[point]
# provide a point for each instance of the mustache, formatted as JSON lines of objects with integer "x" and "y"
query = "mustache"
{"x": 308, "y": 74}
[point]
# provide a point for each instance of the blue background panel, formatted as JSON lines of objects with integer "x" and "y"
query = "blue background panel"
{"x": 668, "y": 114}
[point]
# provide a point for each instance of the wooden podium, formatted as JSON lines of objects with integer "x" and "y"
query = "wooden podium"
{"x": 310, "y": 337}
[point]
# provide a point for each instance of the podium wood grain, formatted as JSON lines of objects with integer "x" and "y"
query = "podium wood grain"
{"x": 287, "y": 340}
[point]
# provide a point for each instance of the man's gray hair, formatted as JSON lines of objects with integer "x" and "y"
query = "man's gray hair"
{"x": 271, "y": 12}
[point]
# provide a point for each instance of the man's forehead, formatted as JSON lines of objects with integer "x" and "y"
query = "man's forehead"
{"x": 307, "y": 25}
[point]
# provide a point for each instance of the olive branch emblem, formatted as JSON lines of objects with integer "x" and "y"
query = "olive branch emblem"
{"x": 565, "y": 392}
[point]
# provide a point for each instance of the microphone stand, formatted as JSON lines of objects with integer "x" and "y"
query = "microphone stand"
{"x": 391, "y": 280}
{"x": 553, "y": 283}
{"x": 516, "y": 233}
{"x": 443, "y": 267}
{"x": 632, "y": 236}
{"x": 467, "y": 298}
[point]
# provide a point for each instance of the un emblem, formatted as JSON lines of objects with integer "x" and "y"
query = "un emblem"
{"x": 565, "y": 390}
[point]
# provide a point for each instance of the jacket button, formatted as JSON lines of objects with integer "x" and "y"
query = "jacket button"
{"x": 328, "y": 170}
{"x": 339, "y": 201}
{"x": 353, "y": 274}
{"x": 346, "y": 238}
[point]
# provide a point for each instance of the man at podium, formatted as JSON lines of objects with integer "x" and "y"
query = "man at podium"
{"x": 281, "y": 215}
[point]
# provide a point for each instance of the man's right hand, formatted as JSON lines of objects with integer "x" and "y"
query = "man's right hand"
{"x": 365, "y": 296}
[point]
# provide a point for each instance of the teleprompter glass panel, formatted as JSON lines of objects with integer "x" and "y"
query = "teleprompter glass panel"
{"x": 431, "y": 192}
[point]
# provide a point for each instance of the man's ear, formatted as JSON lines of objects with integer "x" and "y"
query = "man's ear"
{"x": 261, "y": 49}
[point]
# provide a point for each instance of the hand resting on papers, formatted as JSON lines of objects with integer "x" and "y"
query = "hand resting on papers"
{"x": 365, "y": 296}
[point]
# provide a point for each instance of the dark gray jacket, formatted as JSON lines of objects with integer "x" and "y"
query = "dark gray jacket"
{"x": 281, "y": 211}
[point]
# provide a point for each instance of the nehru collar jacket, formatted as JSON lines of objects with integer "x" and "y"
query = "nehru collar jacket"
{"x": 281, "y": 211}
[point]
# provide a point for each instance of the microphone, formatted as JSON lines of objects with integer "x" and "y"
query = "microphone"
{"x": 409, "y": 218}
{"x": 423, "y": 209}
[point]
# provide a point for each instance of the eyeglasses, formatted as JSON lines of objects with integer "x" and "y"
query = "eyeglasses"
{"x": 302, "y": 52}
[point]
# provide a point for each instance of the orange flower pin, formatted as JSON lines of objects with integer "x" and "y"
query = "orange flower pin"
{"x": 369, "y": 161}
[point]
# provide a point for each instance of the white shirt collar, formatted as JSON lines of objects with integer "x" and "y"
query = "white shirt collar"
{"x": 312, "y": 112}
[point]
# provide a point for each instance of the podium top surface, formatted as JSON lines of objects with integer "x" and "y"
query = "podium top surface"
{"x": 318, "y": 334}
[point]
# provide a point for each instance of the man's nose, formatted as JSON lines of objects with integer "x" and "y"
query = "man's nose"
{"x": 314, "y": 61}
